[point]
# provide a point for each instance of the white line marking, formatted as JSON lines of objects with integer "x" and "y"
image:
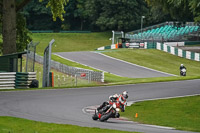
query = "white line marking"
{"x": 71, "y": 61}
{"x": 135, "y": 64}
{"x": 132, "y": 102}
{"x": 162, "y": 127}
{"x": 84, "y": 64}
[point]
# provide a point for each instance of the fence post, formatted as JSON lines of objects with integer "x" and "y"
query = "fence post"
{"x": 75, "y": 80}
{"x": 102, "y": 78}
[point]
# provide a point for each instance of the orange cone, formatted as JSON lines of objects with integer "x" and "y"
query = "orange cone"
{"x": 136, "y": 115}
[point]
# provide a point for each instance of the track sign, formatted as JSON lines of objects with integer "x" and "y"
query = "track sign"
{"x": 83, "y": 74}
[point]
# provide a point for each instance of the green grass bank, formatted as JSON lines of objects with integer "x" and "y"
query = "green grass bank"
{"x": 67, "y": 42}
{"x": 180, "y": 113}
{"x": 157, "y": 60}
{"x": 18, "y": 125}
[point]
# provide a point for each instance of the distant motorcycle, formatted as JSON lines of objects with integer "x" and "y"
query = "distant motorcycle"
{"x": 109, "y": 111}
{"x": 183, "y": 72}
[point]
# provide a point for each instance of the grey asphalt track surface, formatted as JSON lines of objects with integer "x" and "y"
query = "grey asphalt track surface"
{"x": 66, "y": 105}
{"x": 113, "y": 66}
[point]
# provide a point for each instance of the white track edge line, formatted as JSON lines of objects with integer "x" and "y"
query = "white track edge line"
{"x": 84, "y": 64}
{"x": 135, "y": 64}
{"x": 162, "y": 98}
{"x": 154, "y": 126}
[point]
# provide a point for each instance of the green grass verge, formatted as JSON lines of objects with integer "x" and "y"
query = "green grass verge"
{"x": 18, "y": 125}
{"x": 157, "y": 60}
{"x": 70, "y": 63}
{"x": 66, "y": 42}
{"x": 180, "y": 113}
{"x": 114, "y": 80}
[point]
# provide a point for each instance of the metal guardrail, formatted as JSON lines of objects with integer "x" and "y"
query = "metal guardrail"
{"x": 73, "y": 71}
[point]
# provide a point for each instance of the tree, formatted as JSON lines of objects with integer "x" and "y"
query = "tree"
{"x": 115, "y": 14}
{"x": 23, "y": 35}
{"x": 75, "y": 18}
{"x": 9, "y": 26}
{"x": 38, "y": 17}
{"x": 181, "y": 10}
{"x": 1, "y": 7}
{"x": 10, "y": 9}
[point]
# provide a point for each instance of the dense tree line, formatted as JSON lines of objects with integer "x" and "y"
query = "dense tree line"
{"x": 181, "y": 10}
{"x": 101, "y": 15}
{"x": 94, "y": 15}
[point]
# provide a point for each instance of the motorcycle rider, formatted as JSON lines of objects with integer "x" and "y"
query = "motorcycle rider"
{"x": 114, "y": 98}
{"x": 182, "y": 67}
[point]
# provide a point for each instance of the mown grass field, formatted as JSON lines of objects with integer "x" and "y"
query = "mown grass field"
{"x": 180, "y": 113}
{"x": 18, "y": 125}
{"x": 67, "y": 42}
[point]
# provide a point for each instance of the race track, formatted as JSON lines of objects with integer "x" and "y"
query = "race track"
{"x": 111, "y": 65}
{"x": 67, "y": 105}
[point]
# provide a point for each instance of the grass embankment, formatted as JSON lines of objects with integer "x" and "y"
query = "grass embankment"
{"x": 67, "y": 42}
{"x": 18, "y": 125}
{"x": 157, "y": 60}
{"x": 180, "y": 113}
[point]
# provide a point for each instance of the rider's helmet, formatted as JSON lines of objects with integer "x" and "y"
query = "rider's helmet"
{"x": 116, "y": 96}
{"x": 181, "y": 65}
{"x": 125, "y": 94}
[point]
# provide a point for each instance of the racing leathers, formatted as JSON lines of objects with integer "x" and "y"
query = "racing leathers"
{"x": 112, "y": 98}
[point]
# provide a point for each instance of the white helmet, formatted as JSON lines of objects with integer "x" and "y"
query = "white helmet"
{"x": 116, "y": 95}
{"x": 125, "y": 94}
{"x": 181, "y": 64}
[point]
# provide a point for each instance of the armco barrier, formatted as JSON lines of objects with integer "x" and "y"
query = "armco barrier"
{"x": 178, "y": 52}
{"x": 94, "y": 75}
{"x": 7, "y": 80}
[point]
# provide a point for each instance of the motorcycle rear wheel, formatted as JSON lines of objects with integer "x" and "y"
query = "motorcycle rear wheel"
{"x": 105, "y": 117}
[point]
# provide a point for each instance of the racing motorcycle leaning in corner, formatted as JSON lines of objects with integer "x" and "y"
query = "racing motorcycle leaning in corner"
{"x": 111, "y": 108}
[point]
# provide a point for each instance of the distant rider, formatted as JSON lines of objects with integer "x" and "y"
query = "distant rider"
{"x": 182, "y": 67}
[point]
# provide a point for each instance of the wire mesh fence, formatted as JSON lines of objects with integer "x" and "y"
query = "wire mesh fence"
{"x": 30, "y": 56}
{"x": 73, "y": 71}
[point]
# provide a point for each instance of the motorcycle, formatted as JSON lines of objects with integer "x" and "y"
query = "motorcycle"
{"x": 110, "y": 111}
{"x": 183, "y": 72}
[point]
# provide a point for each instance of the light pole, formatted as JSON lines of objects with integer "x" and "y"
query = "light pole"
{"x": 142, "y": 17}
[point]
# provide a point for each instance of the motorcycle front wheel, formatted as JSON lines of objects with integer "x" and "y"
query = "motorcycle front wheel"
{"x": 95, "y": 117}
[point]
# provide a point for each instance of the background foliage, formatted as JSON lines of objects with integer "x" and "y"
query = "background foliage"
{"x": 1, "y": 43}
{"x": 98, "y": 15}
{"x": 94, "y": 15}
{"x": 181, "y": 10}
